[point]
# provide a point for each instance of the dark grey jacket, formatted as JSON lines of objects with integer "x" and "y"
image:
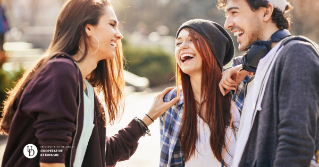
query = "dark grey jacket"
{"x": 284, "y": 131}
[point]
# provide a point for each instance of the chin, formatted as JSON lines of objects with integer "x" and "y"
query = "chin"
{"x": 110, "y": 56}
{"x": 188, "y": 71}
{"x": 242, "y": 47}
{"x": 113, "y": 56}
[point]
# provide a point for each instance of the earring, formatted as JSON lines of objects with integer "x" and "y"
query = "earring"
{"x": 97, "y": 46}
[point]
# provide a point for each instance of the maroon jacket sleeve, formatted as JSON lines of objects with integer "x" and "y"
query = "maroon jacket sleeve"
{"x": 51, "y": 100}
{"x": 123, "y": 145}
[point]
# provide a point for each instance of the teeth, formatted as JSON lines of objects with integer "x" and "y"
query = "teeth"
{"x": 183, "y": 57}
{"x": 113, "y": 44}
{"x": 238, "y": 33}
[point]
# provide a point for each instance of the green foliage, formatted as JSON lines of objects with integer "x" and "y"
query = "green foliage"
{"x": 7, "y": 82}
{"x": 153, "y": 63}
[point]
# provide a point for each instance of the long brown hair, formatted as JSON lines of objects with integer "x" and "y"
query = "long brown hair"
{"x": 70, "y": 26}
{"x": 217, "y": 111}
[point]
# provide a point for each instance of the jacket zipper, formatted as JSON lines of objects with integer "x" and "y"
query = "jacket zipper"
{"x": 77, "y": 117}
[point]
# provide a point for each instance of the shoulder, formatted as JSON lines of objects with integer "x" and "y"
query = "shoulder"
{"x": 295, "y": 48}
{"x": 60, "y": 67}
{"x": 297, "y": 54}
{"x": 56, "y": 84}
{"x": 64, "y": 63}
{"x": 297, "y": 44}
{"x": 296, "y": 60}
{"x": 172, "y": 94}
{"x": 57, "y": 72}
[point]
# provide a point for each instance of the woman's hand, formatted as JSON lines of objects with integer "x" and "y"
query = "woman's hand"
{"x": 159, "y": 106}
{"x": 52, "y": 164}
{"x": 228, "y": 83}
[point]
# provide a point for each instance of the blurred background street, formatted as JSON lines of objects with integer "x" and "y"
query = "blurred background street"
{"x": 149, "y": 28}
{"x": 148, "y": 151}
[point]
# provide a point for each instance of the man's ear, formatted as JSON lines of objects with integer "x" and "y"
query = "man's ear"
{"x": 268, "y": 12}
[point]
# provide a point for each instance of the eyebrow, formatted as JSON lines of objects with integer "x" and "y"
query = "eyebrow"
{"x": 231, "y": 8}
{"x": 181, "y": 37}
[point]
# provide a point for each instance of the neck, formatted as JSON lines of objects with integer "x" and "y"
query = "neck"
{"x": 267, "y": 33}
{"x": 87, "y": 65}
{"x": 196, "y": 82}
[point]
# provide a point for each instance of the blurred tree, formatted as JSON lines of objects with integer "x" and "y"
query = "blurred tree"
{"x": 7, "y": 82}
{"x": 305, "y": 18}
{"x": 172, "y": 13}
{"x": 153, "y": 63}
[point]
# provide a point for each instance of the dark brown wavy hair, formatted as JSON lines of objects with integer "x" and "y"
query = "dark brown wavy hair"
{"x": 217, "y": 111}
{"x": 107, "y": 78}
{"x": 282, "y": 19}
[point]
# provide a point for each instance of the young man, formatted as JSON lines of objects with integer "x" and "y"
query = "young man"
{"x": 279, "y": 125}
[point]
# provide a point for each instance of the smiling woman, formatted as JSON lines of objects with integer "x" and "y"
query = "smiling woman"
{"x": 55, "y": 108}
{"x": 186, "y": 54}
{"x": 194, "y": 132}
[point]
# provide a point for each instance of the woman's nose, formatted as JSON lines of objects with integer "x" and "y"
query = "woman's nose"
{"x": 184, "y": 45}
{"x": 118, "y": 35}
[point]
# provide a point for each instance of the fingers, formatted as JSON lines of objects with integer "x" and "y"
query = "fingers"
{"x": 221, "y": 88}
{"x": 227, "y": 87}
{"x": 173, "y": 101}
{"x": 224, "y": 89}
{"x": 159, "y": 106}
{"x": 170, "y": 103}
{"x": 227, "y": 83}
{"x": 227, "y": 77}
{"x": 164, "y": 92}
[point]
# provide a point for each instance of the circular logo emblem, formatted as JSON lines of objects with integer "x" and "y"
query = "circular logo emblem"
{"x": 30, "y": 151}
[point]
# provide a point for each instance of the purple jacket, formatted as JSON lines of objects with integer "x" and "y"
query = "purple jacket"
{"x": 48, "y": 117}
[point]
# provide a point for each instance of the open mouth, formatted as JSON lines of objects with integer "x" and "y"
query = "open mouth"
{"x": 239, "y": 33}
{"x": 113, "y": 44}
{"x": 186, "y": 57}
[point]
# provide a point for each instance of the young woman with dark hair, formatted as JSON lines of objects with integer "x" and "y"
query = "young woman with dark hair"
{"x": 54, "y": 107}
{"x": 195, "y": 131}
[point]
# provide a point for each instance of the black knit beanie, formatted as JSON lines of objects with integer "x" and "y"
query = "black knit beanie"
{"x": 220, "y": 43}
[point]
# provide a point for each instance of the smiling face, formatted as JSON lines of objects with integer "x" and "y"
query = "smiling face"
{"x": 107, "y": 33}
{"x": 243, "y": 22}
{"x": 186, "y": 55}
